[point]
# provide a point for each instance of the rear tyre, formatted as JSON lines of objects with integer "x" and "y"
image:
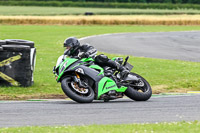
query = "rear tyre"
{"x": 75, "y": 95}
{"x": 139, "y": 93}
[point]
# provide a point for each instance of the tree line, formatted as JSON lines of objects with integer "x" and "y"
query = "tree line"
{"x": 125, "y": 1}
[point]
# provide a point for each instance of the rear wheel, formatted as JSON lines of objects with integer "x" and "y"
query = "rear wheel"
{"x": 140, "y": 91}
{"x": 73, "y": 91}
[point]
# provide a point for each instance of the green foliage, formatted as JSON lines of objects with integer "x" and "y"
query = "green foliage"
{"x": 194, "y": 1}
{"x": 110, "y": 0}
{"x": 141, "y": 4}
{"x": 176, "y": 1}
{"x": 167, "y": 1}
{"x": 120, "y": 1}
{"x": 141, "y": 1}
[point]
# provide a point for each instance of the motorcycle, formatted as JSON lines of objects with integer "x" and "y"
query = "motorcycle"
{"x": 84, "y": 81}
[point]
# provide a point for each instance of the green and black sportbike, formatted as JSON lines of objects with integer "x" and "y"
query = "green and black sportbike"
{"x": 83, "y": 81}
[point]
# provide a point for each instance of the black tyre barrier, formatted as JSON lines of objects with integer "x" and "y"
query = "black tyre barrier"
{"x": 17, "y": 63}
{"x": 20, "y": 42}
{"x": 16, "y": 48}
{"x": 33, "y": 58}
{"x": 2, "y": 42}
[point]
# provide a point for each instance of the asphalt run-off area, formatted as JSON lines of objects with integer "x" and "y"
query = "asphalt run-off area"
{"x": 165, "y": 45}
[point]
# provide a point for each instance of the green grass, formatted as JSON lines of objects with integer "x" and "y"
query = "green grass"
{"x": 173, "y": 127}
{"x": 172, "y": 74}
{"x": 34, "y": 10}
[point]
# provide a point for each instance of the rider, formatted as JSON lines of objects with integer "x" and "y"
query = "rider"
{"x": 84, "y": 51}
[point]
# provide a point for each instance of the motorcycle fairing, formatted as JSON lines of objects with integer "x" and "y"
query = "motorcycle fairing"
{"x": 90, "y": 72}
{"x": 75, "y": 64}
{"x": 106, "y": 84}
{"x": 65, "y": 64}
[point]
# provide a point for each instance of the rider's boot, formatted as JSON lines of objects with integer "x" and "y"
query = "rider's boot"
{"x": 123, "y": 72}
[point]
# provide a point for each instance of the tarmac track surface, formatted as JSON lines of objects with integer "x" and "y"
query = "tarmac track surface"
{"x": 66, "y": 112}
{"x": 165, "y": 45}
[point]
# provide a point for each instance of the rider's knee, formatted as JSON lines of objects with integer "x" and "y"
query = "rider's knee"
{"x": 101, "y": 59}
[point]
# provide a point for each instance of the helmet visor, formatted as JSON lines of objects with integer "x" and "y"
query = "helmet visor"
{"x": 68, "y": 44}
{"x": 68, "y": 47}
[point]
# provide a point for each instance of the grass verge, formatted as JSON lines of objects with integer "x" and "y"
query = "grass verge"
{"x": 163, "y": 75}
{"x": 103, "y": 20}
{"x": 35, "y": 10}
{"x": 173, "y": 127}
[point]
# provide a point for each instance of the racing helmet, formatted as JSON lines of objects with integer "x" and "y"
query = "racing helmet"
{"x": 71, "y": 42}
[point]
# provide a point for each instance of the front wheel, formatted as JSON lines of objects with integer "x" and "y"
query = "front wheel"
{"x": 72, "y": 90}
{"x": 140, "y": 91}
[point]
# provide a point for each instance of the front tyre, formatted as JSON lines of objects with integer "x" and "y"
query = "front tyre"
{"x": 69, "y": 88}
{"x": 140, "y": 92}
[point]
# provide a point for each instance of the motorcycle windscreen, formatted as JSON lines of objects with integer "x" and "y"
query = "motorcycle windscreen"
{"x": 59, "y": 61}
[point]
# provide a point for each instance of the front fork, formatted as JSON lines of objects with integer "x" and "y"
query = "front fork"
{"x": 77, "y": 80}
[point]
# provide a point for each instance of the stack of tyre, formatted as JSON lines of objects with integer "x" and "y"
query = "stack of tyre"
{"x": 17, "y": 62}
